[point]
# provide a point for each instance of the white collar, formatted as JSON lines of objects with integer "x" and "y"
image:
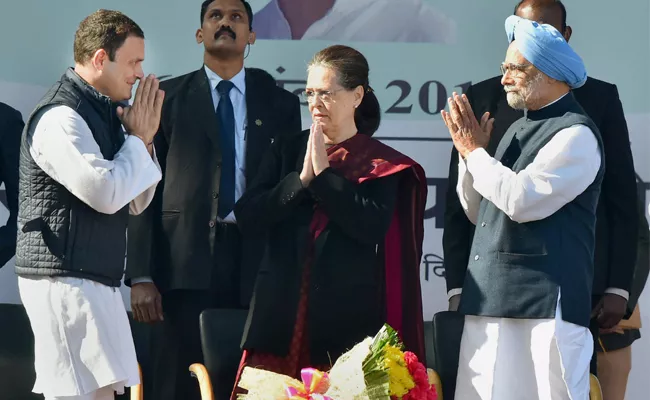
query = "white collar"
{"x": 238, "y": 80}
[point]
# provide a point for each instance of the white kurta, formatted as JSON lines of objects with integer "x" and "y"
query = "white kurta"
{"x": 527, "y": 359}
{"x": 82, "y": 334}
{"x": 523, "y": 359}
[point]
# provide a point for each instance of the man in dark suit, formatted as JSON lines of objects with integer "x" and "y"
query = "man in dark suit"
{"x": 616, "y": 231}
{"x": 11, "y": 128}
{"x": 615, "y": 347}
{"x": 216, "y": 124}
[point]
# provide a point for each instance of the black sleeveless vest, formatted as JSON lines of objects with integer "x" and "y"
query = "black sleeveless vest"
{"x": 59, "y": 235}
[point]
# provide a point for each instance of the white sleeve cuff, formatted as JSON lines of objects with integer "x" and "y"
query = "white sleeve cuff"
{"x": 155, "y": 160}
{"x": 454, "y": 292}
{"x": 144, "y": 279}
{"x": 621, "y": 292}
{"x": 469, "y": 198}
{"x": 478, "y": 160}
{"x": 140, "y": 148}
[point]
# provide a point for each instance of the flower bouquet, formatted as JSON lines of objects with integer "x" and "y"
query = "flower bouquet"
{"x": 376, "y": 369}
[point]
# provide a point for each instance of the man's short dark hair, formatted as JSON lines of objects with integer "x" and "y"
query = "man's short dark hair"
{"x": 249, "y": 11}
{"x": 103, "y": 29}
{"x": 556, "y": 3}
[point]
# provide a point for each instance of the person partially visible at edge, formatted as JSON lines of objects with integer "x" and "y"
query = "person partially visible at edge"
{"x": 344, "y": 214}
{"x": 186, "y": 252}
{"x": 80, "y": 178}
{"x": 615, "y": 344}
{"x": 11, "y": 128}
{"x": 527, "y": 294}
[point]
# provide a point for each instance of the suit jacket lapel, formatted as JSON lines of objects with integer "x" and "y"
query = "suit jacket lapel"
{"x": 257, "y": 132}
{"x": 200, "y": 104}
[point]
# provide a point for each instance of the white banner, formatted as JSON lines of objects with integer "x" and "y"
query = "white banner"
{"x": 419, "y": 52}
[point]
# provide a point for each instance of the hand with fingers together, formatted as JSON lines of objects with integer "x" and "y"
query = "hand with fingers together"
{"x": 142, "y": 118}
{"x": 315, "y": 160}
{"x": 319, "y": 156}
{"x": 307, "y": 173}
{"x": 466, "y": 131}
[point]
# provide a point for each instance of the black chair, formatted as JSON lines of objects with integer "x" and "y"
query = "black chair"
{"x": 221, "y": 334}
{"x": 447, "y": 329}
{"x": 428, "y": 344}
{"x": 17, "y": 374}
{"x": 447, "y": 333}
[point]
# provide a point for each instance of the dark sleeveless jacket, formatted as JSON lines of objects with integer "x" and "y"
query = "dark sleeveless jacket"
{"x": 516, "y": 270}
{"x": 58, "y": 234}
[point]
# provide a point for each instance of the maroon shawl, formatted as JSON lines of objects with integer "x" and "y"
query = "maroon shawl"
{"x": 362, "y": 158}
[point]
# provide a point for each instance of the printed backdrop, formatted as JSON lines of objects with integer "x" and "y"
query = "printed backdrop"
{"x": 416, "y": 62}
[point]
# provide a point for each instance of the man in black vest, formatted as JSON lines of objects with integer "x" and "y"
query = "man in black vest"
{"x": 617, "y": 219}
{"x": 80, "y": 177}
{"x": 527, "y": 292}
{"x": 11, "y": 126}
{"x": 217, "y": 123}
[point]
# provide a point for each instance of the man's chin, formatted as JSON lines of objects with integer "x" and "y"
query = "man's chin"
{"x": 515, "y": 101}
{"x": 123, "y": 98}
{"x": 223, "y": 49}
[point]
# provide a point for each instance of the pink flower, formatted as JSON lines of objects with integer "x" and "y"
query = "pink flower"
{"x": 422, "y": 390}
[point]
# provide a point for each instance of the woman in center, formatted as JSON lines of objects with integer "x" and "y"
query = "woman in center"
{"x": 344, "y": 218}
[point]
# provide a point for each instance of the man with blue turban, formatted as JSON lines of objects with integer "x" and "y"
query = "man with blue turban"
{"x": 527, "y": 291}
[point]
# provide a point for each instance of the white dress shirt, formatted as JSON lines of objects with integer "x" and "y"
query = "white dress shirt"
{"x": 238, "y": 98}
{"x": 561, "y": 171}
{"x": 364, "y": 21}
{"x": 64, "y": 147}
{"x": 522, "y": 358}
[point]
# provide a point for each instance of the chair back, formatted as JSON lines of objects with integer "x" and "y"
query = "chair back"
{"x": 447, "y": 332}
{"x": 17, "y": 373}
{"x": 221, "y": 334}
{"x": 428, "y": 344}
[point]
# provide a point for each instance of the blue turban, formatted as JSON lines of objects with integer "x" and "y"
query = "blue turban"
{"x": 546, "y": 49}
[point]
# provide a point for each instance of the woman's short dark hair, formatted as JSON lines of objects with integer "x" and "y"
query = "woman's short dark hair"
{"x": 352, "y": 70}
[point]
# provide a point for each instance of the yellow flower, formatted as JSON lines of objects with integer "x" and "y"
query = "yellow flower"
{"x": 400, "y": 378}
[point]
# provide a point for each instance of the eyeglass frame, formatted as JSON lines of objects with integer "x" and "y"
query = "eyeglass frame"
{"x": 512, "y": 67}
{"x": 324, "y": 95}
